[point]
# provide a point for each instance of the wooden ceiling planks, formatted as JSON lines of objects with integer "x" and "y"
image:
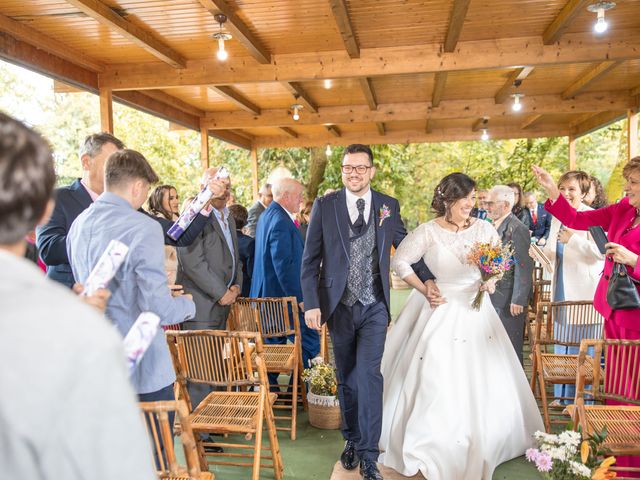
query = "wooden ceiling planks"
{"x": 397, "y": 86}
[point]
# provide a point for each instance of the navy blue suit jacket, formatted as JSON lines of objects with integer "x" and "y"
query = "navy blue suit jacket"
{"x": 325, "y": 263}
{"x": 542, "y": 227}
{"x": 246, "y": 252}
{"x": 71, "y": 201}
{"x": 278, "y": 258}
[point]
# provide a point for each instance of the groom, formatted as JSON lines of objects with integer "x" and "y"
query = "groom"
{"x": 345, "y": 283}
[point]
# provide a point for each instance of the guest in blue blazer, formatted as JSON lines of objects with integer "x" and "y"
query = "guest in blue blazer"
{"x": 278, "y": 257}
{"x": 540, "y": 219}
{"x": 246, "y": 246}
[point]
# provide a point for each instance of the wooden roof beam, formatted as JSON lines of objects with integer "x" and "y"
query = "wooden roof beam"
{"x": 456, "y": 21}
{"x": 369, "y": 94}
{"x": 588, "y": 77}
{"x": 234, "y": 96}
{"x": 382, "y": 129}
{"x": 562, "y": 21}
{"x": 289, "y": 132}
{"x": 428, "y": 126}
{"x": 448, "y": 109}
{"x": 341, "y": 15}
{"x": 238, "y": 29}
{"x": 333, "y": 130}
{"x": 300, "y": 95}
{"x": 300, "y": 67}
{"x": 417, "y": 136}
{"x": 141, "y": 37}
{"x": 49, "y": 44}
{"x": 635, "y": 91}
{"x": 530, "y": 121}
{"x": 480, "y": 123}
{"x": 440, "y": 82}
{"x": 233, "y": 138}
{"x": 141, "y": 101}
{"x": 505, "y": 91}
{"x": 597, "y": 122}
{"x": 174, "y": 102}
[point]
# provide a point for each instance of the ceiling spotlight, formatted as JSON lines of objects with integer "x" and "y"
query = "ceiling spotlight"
{"x": 485, "y": 135}
{"x": 328, "y": 151}
{"x": 517, "y": 106}
{"x": 599, "y": 8}
{"x": 327, "y": 83}
{"x": 221, "y": 37}
{"x": 296, "y": 107}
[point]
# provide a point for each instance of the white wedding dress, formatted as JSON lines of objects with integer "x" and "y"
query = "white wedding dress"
{"x": 456, "y": 400}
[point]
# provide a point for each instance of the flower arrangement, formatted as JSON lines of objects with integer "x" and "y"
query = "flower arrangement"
{"x": 321, "y": 378}
{"x": 385, "y": 212}
{"x": 564, "y": 457}
{"x": 493, "y": 260}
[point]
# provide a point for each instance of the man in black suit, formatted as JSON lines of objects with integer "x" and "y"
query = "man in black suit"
{"x": 514, "y": 289}
{"x": 265, "y": 197}
{"x": 540, "y": 219}
{"x": 71, "y": 201}
{"x": 345, "y": 283}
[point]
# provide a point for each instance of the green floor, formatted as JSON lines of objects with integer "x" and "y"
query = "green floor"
{"x": 314, "y": 453}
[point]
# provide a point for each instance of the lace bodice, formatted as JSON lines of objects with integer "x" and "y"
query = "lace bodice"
{"x": 443, "y": 251}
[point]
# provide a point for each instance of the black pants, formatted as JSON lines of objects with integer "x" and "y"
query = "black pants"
{"x": 358, "y": 334}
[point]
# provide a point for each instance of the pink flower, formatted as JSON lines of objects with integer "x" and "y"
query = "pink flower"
{"x": 544, "y": 462}
{"x": 532, "y": 454}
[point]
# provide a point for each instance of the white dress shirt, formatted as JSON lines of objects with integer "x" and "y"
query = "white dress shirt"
{"x": 353, "y": 209}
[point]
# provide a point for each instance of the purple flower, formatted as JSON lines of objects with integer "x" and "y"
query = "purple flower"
{"x": 532, "y": 454}
{"x": 544, "y": 462}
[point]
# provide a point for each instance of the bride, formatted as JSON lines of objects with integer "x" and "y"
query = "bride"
{"x": 456, "y": 401}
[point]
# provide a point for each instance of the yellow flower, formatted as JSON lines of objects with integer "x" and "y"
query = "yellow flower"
{"x": 602, "y": 472}
{"x": 584, "y": 451}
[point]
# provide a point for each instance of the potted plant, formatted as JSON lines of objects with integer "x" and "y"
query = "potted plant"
{"x": 564, "y": 457}
{"x": 324, "y": 407}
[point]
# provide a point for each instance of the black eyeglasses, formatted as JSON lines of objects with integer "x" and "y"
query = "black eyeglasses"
{"x": 358, "y": 168}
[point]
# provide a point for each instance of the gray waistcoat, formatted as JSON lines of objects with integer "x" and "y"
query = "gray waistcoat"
{"x": 363, "y": 281}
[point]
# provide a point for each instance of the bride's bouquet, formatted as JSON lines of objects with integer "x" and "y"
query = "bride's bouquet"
{"x": 493, "y": 260}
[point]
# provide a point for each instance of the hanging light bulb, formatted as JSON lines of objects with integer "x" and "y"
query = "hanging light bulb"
{"x": 485, "y": 135}
{"x": 221, "y": 37}
{"x": 328, "y": 151}
{"x": 296, "y": 111}
{"x": 327, "y": 83}
{"x": 599, "y": 8}
{"x": 517, "y": 106}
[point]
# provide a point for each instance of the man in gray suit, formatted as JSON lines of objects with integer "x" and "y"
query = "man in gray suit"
{"x": 209, "y": 269}
{"x": 513, "y": 291}
{"x": 265, "y": 197}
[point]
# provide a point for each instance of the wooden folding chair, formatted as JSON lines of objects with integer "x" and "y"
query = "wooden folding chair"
{"x": 560, "y": 323}
{"x": 541, "y": 296}
{"x": 225, "y": 359}
{"x": 156, "y": 415}
{"x": 276, "y": 318}
{"x": 620, "y": 383}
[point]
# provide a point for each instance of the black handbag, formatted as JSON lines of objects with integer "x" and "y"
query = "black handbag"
{"x": 622, "y": 292}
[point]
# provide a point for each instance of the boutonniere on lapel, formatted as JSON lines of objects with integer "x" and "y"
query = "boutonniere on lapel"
{"x": 385, "y": 212}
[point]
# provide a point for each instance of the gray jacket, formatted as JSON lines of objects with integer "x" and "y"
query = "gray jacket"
{"x": 206, "y": 269}
{"x": 252, "y": 220}
{"x": 515, "y": 287}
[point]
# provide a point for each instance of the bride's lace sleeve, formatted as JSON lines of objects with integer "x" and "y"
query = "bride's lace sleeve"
{"x": 410, "y": 250}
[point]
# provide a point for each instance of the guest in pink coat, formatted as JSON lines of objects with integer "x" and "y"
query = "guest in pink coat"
{"x": 620, "y": 221}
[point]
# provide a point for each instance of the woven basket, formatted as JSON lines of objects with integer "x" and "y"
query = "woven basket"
{"x": 324, "y": 412}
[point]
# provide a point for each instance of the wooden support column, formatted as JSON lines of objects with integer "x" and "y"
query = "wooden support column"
{"x": 572, "y": 152}
{"x": 254, "y": 172}
{"x": 633, "y": 148}
{"x": 204, "y": 148}
{"x": 106, "y": 110}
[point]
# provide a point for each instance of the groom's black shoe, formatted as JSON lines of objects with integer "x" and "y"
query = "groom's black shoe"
{"x": 349, "y": 457}
{"x": 369, "y": 470}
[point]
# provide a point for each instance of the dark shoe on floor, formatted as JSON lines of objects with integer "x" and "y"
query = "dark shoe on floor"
{"x": 369, "y": 470}
{"x": 349, "y": 457}
{"x": 213, "y": 449}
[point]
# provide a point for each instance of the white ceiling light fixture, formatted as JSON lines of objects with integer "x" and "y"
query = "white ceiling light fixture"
{"x": 296, "y": 107}
{"x": 328, "y": 151}
{"x": 485, "y": 130}
{"x": 328, "y": 83}
{"x": 517, "y": 106}
{"x": 599, "y": 8}
{"x": 221, "y": 37}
